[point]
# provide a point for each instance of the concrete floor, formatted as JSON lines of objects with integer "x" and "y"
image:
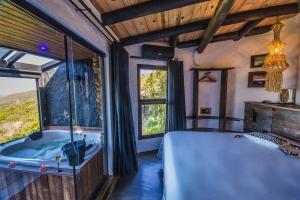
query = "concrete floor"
{"x": 145, "y": 185}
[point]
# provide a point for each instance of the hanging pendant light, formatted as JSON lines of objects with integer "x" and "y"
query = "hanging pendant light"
{"x": 275, "y": 63}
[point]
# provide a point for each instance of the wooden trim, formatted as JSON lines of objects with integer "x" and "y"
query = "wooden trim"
{"x": 215, "y": 23}
{"x": 143, "y": 58}
{"x": 146, "y": 153}
{"x": 200, "y": 117}
{"x": 224, "y": 37}
{"x": 147, "y": 101}
{"x": 202, "y": 24}
{"x": 76, "y": 128}
{"x": 143, "y": 9}
{"x": 211, "y": 69}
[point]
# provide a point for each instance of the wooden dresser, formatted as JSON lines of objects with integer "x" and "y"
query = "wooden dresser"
{"x": 280, "y": 119}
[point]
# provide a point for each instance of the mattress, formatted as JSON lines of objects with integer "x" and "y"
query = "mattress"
{"x": 215, "y": 166}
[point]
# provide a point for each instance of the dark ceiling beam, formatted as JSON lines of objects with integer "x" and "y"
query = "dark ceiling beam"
{"x": 15, "y": 58}
{"x": 247, "y": 28}
{"x": 173, "y": 41}
{"x": 202, "y": 24}
{"x": 260, "y": 30}
{"x": 215, "y": 23}
{"x": 223, "y": 37}
{"x": 143, "y": 9}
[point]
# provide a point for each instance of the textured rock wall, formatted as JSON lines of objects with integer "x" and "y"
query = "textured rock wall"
{"x": 83, "y": 93}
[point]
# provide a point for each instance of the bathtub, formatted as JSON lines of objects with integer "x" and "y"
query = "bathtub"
{"x": 34, "y": 153}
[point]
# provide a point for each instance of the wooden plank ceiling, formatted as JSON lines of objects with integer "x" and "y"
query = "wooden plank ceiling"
{"x": 25, "y": 32}
{"x": 183, "y": 15}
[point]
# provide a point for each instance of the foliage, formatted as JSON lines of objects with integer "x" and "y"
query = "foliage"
{"x": 18, "y": 120}
{"x": 154, "y": 86}
{"x": 154, "y": 121}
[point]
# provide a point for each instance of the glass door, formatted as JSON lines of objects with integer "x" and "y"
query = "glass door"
{"x": 86, "y": 90}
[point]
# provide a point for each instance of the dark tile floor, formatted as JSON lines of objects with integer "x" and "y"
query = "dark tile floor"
{"x": 145, "y": 185}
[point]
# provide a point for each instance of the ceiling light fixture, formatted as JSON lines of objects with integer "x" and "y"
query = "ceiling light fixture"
{"x": 275, "y": 62}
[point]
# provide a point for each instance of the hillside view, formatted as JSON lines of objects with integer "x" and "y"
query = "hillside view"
{"x": 18, "y": 115}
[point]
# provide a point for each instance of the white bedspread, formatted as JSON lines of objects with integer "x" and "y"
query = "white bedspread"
{"x": 217, "y": 166}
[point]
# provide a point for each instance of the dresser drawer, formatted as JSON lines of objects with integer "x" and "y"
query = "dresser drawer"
{"x": 257, "y": 118}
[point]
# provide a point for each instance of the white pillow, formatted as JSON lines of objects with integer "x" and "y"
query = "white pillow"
{"x": 262, "y": 141}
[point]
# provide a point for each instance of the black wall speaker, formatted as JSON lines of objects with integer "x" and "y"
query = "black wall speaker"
{"x": 157, "y": 52}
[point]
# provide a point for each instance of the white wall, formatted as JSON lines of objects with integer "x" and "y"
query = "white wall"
{"x": 237, "y": 54}
{"x": 135, "y": 50}
{"x": 223, "y": 54}
{"x": 64, "y": 11}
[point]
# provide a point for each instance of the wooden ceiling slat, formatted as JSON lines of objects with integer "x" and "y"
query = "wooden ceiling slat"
{"x": 140, "y": 22}
{"x": 27, "y": 47}
{"x": 32, "y": 34}
{"x": 22, "y": 31}
{"x": 26, "y": 24}
{"x": 26, "y": 17}
{"x": 201, "y": 25}
{"x": 230, "y": 28}
{"x": 245, "y": 5}
{"x": 129, "y": 26}
{"x": 154, "y": 22}
{"x": 184, "y": 15}
{"x": 271, "y": 20}
{"x": 200, "y": 12}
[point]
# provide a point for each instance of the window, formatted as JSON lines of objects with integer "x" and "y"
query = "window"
{"x": 19, "y": 113}
{"x": 152, "y": 94}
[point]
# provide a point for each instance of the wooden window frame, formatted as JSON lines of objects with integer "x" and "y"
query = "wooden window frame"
{"x": 142, "y": 102}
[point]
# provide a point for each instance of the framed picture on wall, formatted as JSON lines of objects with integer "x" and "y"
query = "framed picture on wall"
{"x": 257, "y": 60}
{"x": 257, "y": 79}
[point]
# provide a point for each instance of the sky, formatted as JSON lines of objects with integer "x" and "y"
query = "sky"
{"x": 15, "y": 85}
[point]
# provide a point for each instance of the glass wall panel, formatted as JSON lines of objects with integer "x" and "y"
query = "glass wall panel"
{"x": 86, "y": 83}
{"x": 34, "y": 109}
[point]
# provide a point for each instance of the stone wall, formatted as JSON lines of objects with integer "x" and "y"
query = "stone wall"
{"x": 55, "y": 96}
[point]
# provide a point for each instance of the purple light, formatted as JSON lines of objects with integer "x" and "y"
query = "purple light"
{"x": 43, "y": 47}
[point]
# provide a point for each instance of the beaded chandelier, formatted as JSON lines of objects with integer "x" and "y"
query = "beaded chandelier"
{"x": 275, "y": 62}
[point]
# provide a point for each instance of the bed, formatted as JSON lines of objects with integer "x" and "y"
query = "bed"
{"x": 216, "y": 166}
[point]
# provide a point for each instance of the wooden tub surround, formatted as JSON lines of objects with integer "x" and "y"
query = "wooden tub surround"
{"x": 20, "y": 184}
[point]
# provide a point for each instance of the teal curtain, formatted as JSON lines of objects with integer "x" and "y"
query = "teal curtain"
{"x": 124, "y": 146}
{"x": 176, "y": 98}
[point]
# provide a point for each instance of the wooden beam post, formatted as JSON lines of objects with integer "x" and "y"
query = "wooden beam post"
{"x": 223, "y": 99}
{"x": 202, "y": 24}
{"x": 143, "y": 9}
{"x": 215, "y": 23}
{"x": 195, "y": 99}
{"x": 247, "y": 28}
{"x": 223, "y": 37}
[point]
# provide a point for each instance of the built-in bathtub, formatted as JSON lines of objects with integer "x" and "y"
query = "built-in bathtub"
{"x": 25, "y": 180}
{"x": 31, "y": 152}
